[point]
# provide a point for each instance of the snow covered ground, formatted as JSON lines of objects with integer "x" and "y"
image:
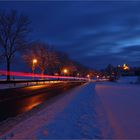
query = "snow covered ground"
{"x": 121, "y": 103}
{"x": 7, "y": 86}
{"x": 107, "y": 110}
{"x": 128, "y": 79}
{"x": 17, "y": 85}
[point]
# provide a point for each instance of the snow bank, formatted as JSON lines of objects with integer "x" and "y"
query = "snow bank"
{"x": 17, "y": 85}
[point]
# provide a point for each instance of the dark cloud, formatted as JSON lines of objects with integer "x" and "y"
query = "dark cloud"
{"x": 94, "y": 33}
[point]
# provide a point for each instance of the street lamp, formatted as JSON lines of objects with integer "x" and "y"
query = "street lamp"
{"x": 65, "y": 71}
{"x": 33, "y": 66}
{"x": 34, "y": 61}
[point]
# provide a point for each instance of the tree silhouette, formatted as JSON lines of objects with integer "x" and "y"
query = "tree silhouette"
{"x": 13, "y": 32}
{"x": 46, "y": 57}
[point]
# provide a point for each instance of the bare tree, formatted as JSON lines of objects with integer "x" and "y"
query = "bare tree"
{"x": 63, "y": 61}
{"x": 53, "y": 61}
{"x": 13, "y": 32}
{"x": 46, "y": 58}
{"x": 66, "y": 63}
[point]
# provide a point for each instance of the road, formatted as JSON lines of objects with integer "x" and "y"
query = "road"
{"x": 102, "y": 111}
{"x": 17, "y": 101}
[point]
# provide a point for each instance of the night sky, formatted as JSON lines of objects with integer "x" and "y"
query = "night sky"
{"x": 93, "y": 33}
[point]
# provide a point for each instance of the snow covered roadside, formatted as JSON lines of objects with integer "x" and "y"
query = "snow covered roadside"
{"x": 8, "y": 86}
{"x": 121, "y": 102}
{"x": 18, "y": 85}
{"x": 78, "y": 114}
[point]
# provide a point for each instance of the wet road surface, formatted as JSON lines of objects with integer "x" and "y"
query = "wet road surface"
{"x": 16, "y": 101}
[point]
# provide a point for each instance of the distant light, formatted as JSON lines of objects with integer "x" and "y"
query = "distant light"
{"x": 125, "y": 67}
{"x": 65, "y": 71}
{"x": 56, "y": 74}
{"x": 88, "y": 76}
{"x": 97, "y": 76}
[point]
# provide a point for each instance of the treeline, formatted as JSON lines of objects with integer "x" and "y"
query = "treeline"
{"x": 14, "y": 38}
{"x": 120, "y": 70}
{"x": 51, "y": 61}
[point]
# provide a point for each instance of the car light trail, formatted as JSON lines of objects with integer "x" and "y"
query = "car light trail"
{"x": 23, "y": 74}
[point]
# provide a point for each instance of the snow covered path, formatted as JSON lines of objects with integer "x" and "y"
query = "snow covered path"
{"x": 121, "y": 102}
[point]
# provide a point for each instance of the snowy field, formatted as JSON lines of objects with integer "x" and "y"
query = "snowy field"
{"x": 121, "y": 104}
{"x": 128, "y": 79}
{"x": 105, "y": 110}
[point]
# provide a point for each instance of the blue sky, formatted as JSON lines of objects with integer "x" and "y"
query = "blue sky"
{"x": 94, "y": 33}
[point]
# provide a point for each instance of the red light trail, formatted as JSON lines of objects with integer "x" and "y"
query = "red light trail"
{"x": 24, "y": 74}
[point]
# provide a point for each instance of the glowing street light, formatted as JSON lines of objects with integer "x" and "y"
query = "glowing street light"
{"x": 33, "y": 66}
{"x": 34, "y": 61}
{"x": 65, "y": 71}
